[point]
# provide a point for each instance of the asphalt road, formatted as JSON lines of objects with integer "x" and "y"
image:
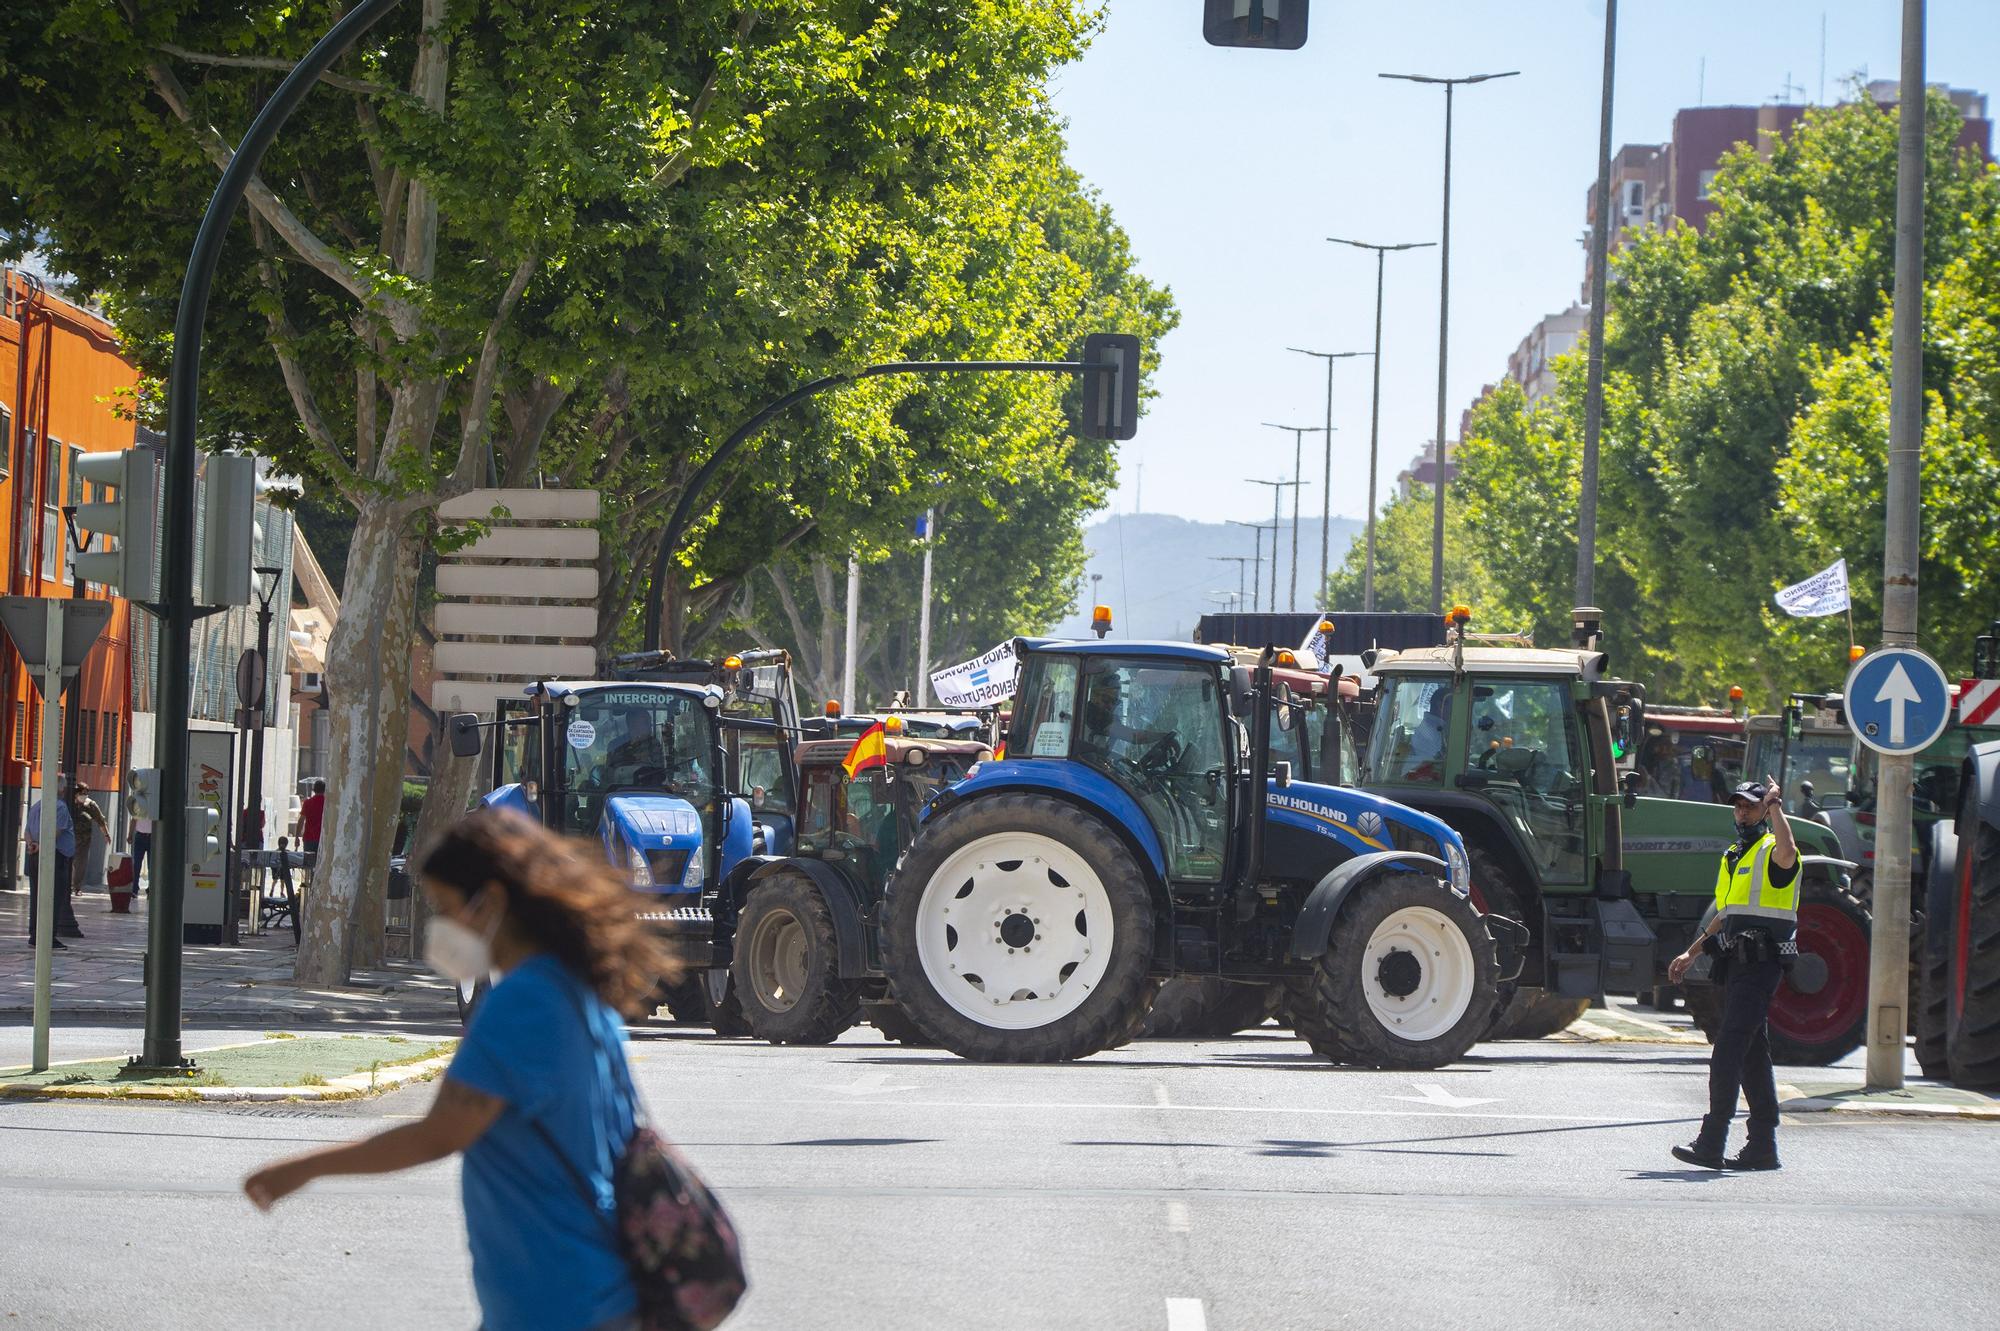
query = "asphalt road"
{"x": 1235, "y": 1185}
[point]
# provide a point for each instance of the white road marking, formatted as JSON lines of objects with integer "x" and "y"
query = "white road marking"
{"x": 1177, "y": 1218}
{"x": 1186, "y": 1315}
{"x": 870, "y": 1083}
{"x": 1433, "y": 1094}
{"x": 1671, "y": 1112}
{"x": 1160, "y": 1095}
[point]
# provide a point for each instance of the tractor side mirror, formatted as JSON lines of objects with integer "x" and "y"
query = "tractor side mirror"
{"x": 1630, "y": 783}
{"x": 465, "y": 737}
{"x": 1281, "y": 772}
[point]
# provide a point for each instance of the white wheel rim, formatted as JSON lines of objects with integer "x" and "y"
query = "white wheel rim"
{"x": 1014, "y": 931}
{"x": 1417, "y": 973}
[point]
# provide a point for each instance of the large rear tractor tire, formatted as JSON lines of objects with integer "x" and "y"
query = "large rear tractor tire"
{"x": 1191, "y": 1007}
{"x": 1972, "y": 989}
{"x": 686, "y": 1001}
{"x": 1018, "y": 929}
{"x": 1408, "y": 980}
{"x": 784, "y": 972}
{"x": 1813, "y": 1030}
{"x": 1522, "y": 1012}
{"x": 1931, "y": 958}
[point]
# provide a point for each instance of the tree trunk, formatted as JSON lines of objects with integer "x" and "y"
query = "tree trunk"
{"x": 453, "y": 780}
{"x": 368, "y": 678}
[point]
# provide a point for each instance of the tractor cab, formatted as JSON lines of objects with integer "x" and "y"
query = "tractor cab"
{"x": 1808, "y": 747}
{"x": 760, "y": 724}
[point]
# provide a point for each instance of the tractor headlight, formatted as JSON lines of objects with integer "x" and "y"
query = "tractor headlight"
{"x": 1461, "y": 872}
{"x": 642, "y": 873}
{"x": 697, "y": 871}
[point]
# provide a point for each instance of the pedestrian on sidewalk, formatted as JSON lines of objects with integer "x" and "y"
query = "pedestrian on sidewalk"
{"x": 539, "y": 1097}
{"x": 65, "y": 849}
{"x": 141, "y": 834}
{"x": 93, "y": 840}
{"x": 1753, "y": 941}
{"x": 312, "y": 812}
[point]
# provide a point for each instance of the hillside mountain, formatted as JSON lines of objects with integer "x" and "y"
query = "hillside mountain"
{"x": 1159, "y": 577}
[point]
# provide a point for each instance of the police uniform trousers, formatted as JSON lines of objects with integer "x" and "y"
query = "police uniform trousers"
{"x": 1741, "y": 1060}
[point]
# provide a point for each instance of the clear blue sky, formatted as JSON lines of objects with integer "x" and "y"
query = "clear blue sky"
{"x": 1228, "y": 168}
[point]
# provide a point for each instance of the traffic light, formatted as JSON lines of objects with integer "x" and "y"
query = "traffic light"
{"x": 142, "y": 793}
{"x": 204, "y": 833}
{"x": 126, "y": 517}
{"x": 1110, "y": 396}
{"x": 229, "y": 524}
{"x": 1269, "y": 25}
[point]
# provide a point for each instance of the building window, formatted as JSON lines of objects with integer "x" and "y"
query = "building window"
{"x": 87, "y": 750}
{"x": 6, "y": 440}
{"x": 109, "y": 757}
{"x": 1635, "y": 196}
{"x": 20, "y": 729}
{"x": 28, "y": 446}
{"x": 1707, "y": 179}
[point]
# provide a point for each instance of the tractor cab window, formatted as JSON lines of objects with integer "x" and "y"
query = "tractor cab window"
{"x": 1525, "y": 741}
{"x": 762, "y": 775}
{"x": 1044, "y": 714}
{"x": 636, "y": 738}
{"x": 1157, "y": 730}
{"x": 868, "y": 819}
{"x": 819, "y": 784}
{"x": 520, "y": 745}
{"x": 1410, "y": 733}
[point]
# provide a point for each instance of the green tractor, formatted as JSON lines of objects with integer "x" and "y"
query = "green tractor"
{"x": 1516, "y": 748}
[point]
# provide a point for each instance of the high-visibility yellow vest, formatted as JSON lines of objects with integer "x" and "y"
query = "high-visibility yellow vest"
{"x": 1744, "y": 890}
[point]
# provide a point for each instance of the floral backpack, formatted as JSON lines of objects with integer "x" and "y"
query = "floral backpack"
{"x": 678, "y": 1243}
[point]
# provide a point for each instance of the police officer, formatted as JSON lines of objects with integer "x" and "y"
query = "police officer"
{"x": 1752, "y": 939}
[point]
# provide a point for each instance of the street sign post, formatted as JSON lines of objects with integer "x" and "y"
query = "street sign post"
{"x": 53, "y": 636}
{"x": 1898, "y": 700}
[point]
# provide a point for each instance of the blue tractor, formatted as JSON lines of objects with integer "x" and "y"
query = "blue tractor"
{"x": 1138, "y": 829}
{"x": 651, "y": 770}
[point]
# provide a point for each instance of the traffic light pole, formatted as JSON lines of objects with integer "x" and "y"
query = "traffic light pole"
{"x": 46, "y": 859}
{"x": 176, "y": 608}
{"x": 1889, "y": 952}
{"x": 656, "y": 626}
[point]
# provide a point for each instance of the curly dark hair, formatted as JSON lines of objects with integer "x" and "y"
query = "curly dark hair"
{"x": 561, "y": 895}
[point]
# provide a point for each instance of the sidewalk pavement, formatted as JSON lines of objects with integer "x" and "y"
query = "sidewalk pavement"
{"x": 102, "y": 976}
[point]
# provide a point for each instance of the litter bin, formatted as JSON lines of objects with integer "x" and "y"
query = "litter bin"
{"x": 398, "y": 915}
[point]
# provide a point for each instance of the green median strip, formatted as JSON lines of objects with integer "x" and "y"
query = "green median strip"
{"x": 320, "y": 1067}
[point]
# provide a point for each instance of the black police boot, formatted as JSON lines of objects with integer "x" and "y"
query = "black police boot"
{"x": 1755, "y": 1155}
{"x": 1699, "y": 1152}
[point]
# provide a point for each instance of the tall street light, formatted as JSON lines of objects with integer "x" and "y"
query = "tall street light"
{"x": 1257, "y": 558}
{"x": 1450, "y": 86}
{"x": 1593, "y": 395}
{"x": 1239, "y": 561}
{"x": 1375, "y": 405}
{"x": 1277, "y": 494}
{"x": 1299, "y": 433}
{"x": 1326, "y": 493}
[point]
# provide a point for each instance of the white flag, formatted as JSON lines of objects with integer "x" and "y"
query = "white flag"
{"x": 980, "y": 682}
{"x": 1824, "y": 593}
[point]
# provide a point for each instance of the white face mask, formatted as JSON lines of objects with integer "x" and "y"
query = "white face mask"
{"x": 458, "y": 951}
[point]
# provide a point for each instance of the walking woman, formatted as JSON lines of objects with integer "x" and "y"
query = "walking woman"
{"x": 538, "y": 1097}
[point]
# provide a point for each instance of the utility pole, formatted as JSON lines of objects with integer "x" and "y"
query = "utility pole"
{"x": 1257, "y": 558}
{"x": 1326, "y": 494}
{"x": 924, "y": 620}
{"x": 1450, "y": 86}
{"x": 1375, "y": 405}
{"x": 1277, "y": 495}
{"x": 1239, "y": 561}
{"x": 853, "y": 634}
{"x": 1889, "y": 953}
{"x": 1600, "y": 260}
{"x": 1299, "y": 433}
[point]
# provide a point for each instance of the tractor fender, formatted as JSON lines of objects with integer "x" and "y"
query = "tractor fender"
{"x": 1940, "y": 890}
{"x": 1316, "y": 917}
{"x": 1838, "y": 869}
{"x": 850, "y": 930}
{"x": 1982, "y": 784}
{"x": 1082, "y": 786}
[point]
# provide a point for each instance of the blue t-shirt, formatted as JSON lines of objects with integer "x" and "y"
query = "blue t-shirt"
{"x": 543, "y": 1260}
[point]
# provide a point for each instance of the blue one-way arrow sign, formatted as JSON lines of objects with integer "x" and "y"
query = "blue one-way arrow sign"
{"x": 1898, "y": 700}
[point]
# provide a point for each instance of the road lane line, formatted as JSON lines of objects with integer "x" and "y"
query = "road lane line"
{"x": 1679, "y": 1112}
{"x": 1177, "y": 1218}
{"x": 1186, "y": 1315}
{"x": 1160, "y": 1095}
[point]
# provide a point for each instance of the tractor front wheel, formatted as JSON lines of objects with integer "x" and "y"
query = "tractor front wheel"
{"x": 1813, "y": 1030}
{"x": 1408, "y": 980}
{"x": 1019, "y": 929}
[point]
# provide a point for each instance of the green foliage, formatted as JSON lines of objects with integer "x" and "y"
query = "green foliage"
{"x": 1404, "y": 535}
{"x": 1746, "y": 417}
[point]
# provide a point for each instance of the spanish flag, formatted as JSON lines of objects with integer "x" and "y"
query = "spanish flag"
{"x": 871, "y": 749}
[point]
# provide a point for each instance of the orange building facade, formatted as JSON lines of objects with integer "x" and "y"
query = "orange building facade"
{"x": 65, "y": 390}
